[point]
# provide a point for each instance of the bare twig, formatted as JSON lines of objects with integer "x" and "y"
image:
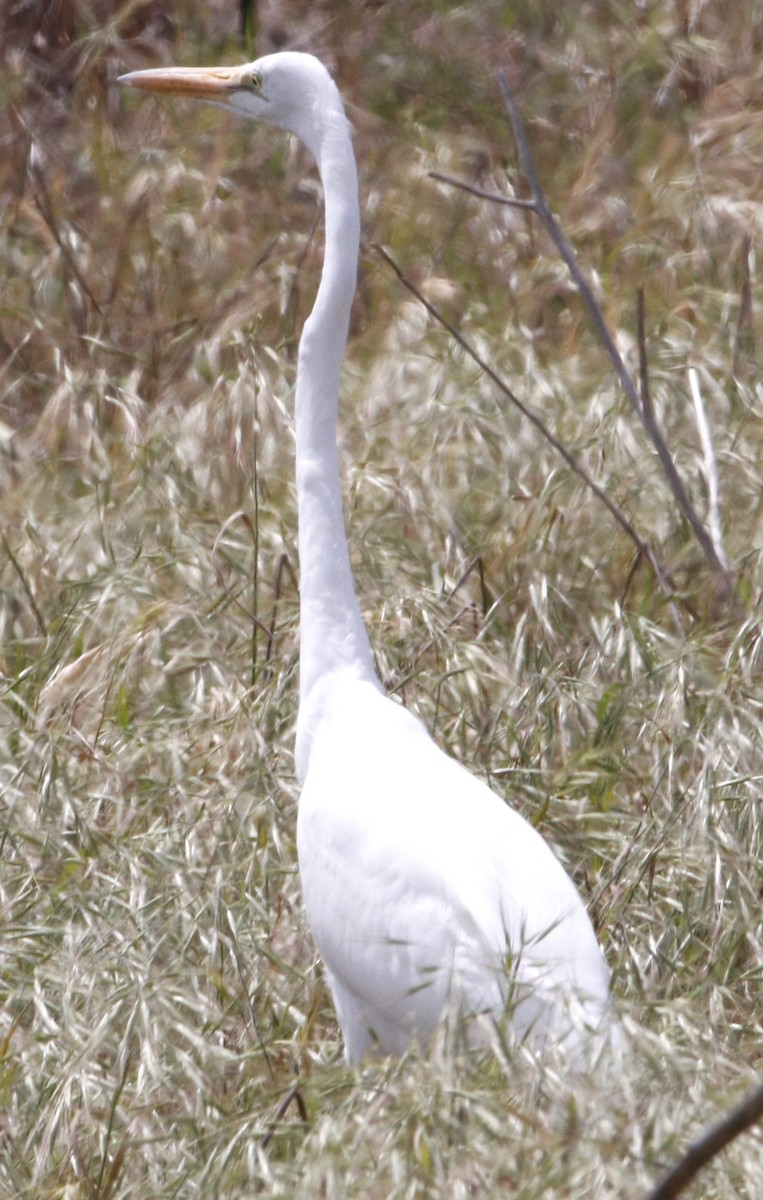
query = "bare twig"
{"x": 699, "y": 1154}
{"x": 293, "y": 1095}
{"x": 744, "y": 340}
{"x": 396, "y": 682}
{"x": 643, "y": 547}
{"x": 710, "y": 469}
{"x": 26, "y": 586}
{"x": 44, "y": 206}
{"x": 284, "y": 565}
{"x": 256, "y": 546}
{"x": 233, "y": 947}
{"x": 292, "y": 300}
{"x": 594, "y": 310}
{"x": 484, "y": 593}
{"x": 511, "y": 201}
{"x": 106, "y": 1178}
{"x": 643, "y": 361}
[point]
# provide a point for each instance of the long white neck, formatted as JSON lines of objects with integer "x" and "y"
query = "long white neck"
{"x": 333, "y": 640}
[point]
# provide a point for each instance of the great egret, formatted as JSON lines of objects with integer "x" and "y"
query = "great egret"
{"x": 424, "y": 891}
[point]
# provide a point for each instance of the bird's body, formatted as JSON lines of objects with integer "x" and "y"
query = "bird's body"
{"x": 423, "y": 889}
{"x": 423, "y": 886}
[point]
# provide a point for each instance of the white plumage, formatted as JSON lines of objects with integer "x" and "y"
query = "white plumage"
{"x": 423, "y": 889}
{"x": 420, "y": 882}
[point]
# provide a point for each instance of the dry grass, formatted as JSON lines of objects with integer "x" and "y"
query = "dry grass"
{"x": 159, "y": 992}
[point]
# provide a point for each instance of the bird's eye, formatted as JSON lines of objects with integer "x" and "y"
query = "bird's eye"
{"x": 255, "y": 81}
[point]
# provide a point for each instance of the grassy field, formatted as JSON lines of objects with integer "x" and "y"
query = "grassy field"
{"x": 165, "y": 1030}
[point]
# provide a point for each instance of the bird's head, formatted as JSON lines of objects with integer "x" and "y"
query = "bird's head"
{"x": 289, "y": 90}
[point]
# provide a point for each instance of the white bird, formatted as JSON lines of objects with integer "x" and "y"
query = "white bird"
{"x": 424, "y": 890}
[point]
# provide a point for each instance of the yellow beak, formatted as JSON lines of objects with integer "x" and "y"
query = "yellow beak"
{"x": 201, "y": 83}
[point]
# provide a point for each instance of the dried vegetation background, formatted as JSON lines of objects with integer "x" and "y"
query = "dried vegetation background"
{"x": 159, "y": 994}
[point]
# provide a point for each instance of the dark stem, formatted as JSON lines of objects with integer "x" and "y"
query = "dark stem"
{"x": 511, "y": 201}
{"x": 554, "y": 231}
{"x": 619, "y": 516}
{"x": 643, "y": 361}
{"x": 717, "y": 1137}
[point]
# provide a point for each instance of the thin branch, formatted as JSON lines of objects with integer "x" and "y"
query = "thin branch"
{"x": 619, "y": 516}
{"x": 551, "y": 226}
{"x": 744, "y": 340}
{"x": 511, "y": 201}
{"x": 44, "y": 206}
{"x": 106, "y": 1178}
{"x": 233, "y": 949}
{"x": 643, "y": 361}
{"x": 256, "y": 546}
{"x": 711, "y": 471}
{"x": 26, "y": 586}
{"x": 292, "y": 300}
{"x": 397, "y": 681}
{"x": 284, "y": 565}
{"x": 293, "y": 1095}
{"x": 484, "y": 594}
{"x": 715, "y": 1139}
